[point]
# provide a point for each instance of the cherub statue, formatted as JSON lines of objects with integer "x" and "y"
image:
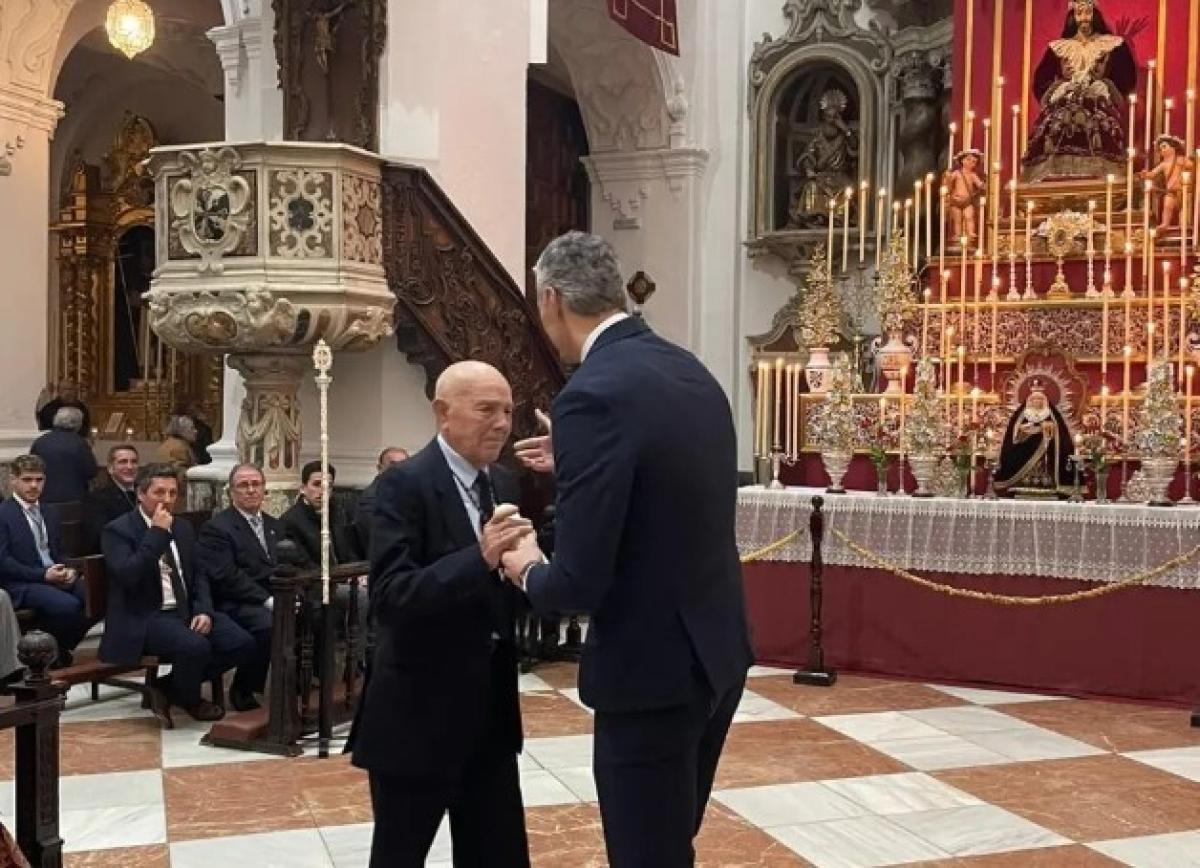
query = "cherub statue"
{"x": 965, "y": 187}
{"x": 1172, "y": 164}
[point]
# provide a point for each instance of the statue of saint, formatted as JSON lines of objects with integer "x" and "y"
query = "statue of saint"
{"x": 1168, "y": 178}
{"x": 325, "y": 25}
{"x": 1037, "y": 448}
{"x": 827, "y": 164}
{"x": 1081, "y": 85}
{"x": 966, "y": 187}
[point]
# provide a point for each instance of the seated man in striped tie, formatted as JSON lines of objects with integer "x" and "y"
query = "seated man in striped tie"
{"x": 31, "y": 567}
{"x": 159, "y": 603}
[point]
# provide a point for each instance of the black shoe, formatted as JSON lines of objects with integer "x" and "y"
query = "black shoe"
{"x": 243, "y": 701}
{"x": 160, "y": 706}
{"x": 206, "y": 711}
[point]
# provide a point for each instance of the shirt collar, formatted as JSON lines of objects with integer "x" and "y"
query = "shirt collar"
{"x": 25, "y": 505}
{"x": 459, "y": 466}
{"x": 145, "y": 517}
{"x": 249, "y": 516}
{"x": 599, "y": 330}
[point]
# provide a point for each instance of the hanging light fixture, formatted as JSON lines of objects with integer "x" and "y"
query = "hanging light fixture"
{"x": 130, "y": 26}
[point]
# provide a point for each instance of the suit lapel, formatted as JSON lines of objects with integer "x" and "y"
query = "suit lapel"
{"x": 458, "y": 523}
{"x": 252, "y": 537}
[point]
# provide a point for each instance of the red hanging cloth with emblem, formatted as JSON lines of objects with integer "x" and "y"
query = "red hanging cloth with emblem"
{"x": 653, "y": 21}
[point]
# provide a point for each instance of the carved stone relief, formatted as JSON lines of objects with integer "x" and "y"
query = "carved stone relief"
{"x": 362, "y": 238}
{"x": 301, "y": 213}
{"x": 209, "y": 206}
{"x": 226, "y": 321}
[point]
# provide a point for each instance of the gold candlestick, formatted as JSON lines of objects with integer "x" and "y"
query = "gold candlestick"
{"x": 1029, "y": 293}
{"x": 1128, "y": 352}
{"x": 1187, "y": 415}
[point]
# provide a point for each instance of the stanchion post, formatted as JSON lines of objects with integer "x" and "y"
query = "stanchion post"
{"x": 816, "y": 673}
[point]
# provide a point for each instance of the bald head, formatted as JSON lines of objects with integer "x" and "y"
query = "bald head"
{"x": 473, "y": 406}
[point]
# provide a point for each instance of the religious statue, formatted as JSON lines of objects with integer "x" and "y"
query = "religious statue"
{"x": 827, "y": 164}
{"x": 1168, "y": 178}
{"x": 1037, "y": 448}
{"x": 325, "y": 25}
{"x": 966, "y": 187}
{"x": 1081, "y": 85}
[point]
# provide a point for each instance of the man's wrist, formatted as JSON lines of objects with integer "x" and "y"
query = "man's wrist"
{"x": 523, "y": 575}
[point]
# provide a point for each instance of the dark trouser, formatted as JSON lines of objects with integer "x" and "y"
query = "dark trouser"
{"x": 59, "y": 611}
{"x": 194, "y": 658}
{"x": 255, "y": 619}
{"x": 487, "y": 817}
{"x": 654, "y": 772}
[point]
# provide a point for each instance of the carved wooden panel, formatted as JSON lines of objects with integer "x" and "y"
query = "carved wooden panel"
{"x": 329, "y": 53}
{"x": 455, "y": 299}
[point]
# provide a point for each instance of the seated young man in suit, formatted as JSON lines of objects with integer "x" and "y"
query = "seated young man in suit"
{"x": 237, "y": 554}
{"x": 364, "y": 509}
{"x": 114, "y": 499}
{"x": 31, "y": 568}
{"x": 302, "y": 525}
{"x": 159, "y": 603}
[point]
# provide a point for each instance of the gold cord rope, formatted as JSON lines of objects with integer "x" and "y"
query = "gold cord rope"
{"x": 770, "y": 549}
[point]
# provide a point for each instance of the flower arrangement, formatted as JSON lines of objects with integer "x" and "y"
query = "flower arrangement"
{"x": 894, "y": 289}
{"x": 832, "y": 421}
{"x": 820, "y": 308}
{"x": 925, "y": 430}
{"x": 1159, "y": 424}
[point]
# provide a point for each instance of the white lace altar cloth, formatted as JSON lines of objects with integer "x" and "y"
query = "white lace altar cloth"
{"x": 1086, "y": 541}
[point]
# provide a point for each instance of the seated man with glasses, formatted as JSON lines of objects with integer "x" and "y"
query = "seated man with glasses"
{"x": 238, "y": 556}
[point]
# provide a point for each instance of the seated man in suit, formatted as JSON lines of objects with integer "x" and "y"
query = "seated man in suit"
{"x": 70, "y": 464}
{"x": 159, "y": 604}
{"x": 439, "y": 725}
{"x": 114, "y": 499}
{"x": 365, "y": 508}
{"x": 31, "y": 568}
{"x": 237, "y": 554}
{"x": 302, "y": 525}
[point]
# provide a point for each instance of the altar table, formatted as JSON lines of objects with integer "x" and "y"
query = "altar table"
{"x": 1139, "y": 642}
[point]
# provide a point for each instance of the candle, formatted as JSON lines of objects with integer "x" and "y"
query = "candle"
{"x": 987, "y": 164}
{"x": 1012, "y": 223}
{"x": 949, "y": 359}
{"x": 1104, "y": 335}
{"x": 1166, "y": 308}
{"x": 903, "y": 432}
{"x": 929, "y": 215}
{"x": 849, "y": 200}
{"x": 908, "y": 204}
{"x": 862, "y": 221}
{"x": 1187, "y": 413}
{"x": 829, "y": 252}
{"x": 1150, "y": 65}
{"x": 789, "y": 401}
{"x": 916, "y": 236}
{"x": 1168, "y": 104}
{"x": 925, "y": 323}
{"x": 1130, "y": 154}
{"x": 1133, "y": 101}
{"x": 1103, "y": 405}
{"x": 951, "y": 152}
{"x": 1195, "y": 207}
{"x": 1109, "y": 180}
{"x": 879, "y": 203}
{"x": 995, "y": 329}
{"x": 777, "y": 403}
{"x": 962, "y": 384}
{"x": 797, "y": 374}
{"x": 1183, "y": 222}
{"x": 1091, "y": 248}
{"x": 1029, "y": 249}
{"x": 1016, "y": 153}
{"x": 1150, "y": 298}
{"x": 760, "y": 416}
{"x": 942, "y": 194}
{"x": 1147, "y": 255}
{"x": 1183, "y": 287}
{"x": 1128, "y": 351}
{"x": 974, "y": 404}
{"x": 896, "y": 206}
{"x": 1128, "y": 293}
{"x": 1190, "y": 125}
{"x": 969, "y": 135}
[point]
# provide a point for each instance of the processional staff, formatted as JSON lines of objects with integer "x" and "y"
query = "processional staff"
{"x": 323, "y": 362}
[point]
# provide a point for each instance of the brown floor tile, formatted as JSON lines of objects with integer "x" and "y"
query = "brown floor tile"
{"x": 96, "y": 747}
{"x": 1074, "y": 856}
{"x": 571, "y": 836}
{"x": 335, "y": 792}
{"x": 154, "y": 856}
{"x": 784, "y": 751}
{"x": 233, "y": 799}
{"x": 549, "y": 714}
{"x": 1111, "y": 725}
{"x": 560, "y": 675}
{"x": 850, "y": 695}
{"x": 1089, "y": 799}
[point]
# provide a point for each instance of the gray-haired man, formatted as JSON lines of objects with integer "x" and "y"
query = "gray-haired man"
{"x": 70, "y": 464}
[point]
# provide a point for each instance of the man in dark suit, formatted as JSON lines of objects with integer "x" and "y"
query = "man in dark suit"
{"x": 364, "y": 510}
{"x": 114, "y": 499}
{"x": 645, "y": 455}
{"x": 237, "y": 555}
{"x": 159, "y": 603}
{"x": 70, "y": 464}
{"x": 439, "y": 725}
{"x": 31, "y": 568}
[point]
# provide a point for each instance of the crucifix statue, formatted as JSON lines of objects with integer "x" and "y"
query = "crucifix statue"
{"x": 325, "y": 25}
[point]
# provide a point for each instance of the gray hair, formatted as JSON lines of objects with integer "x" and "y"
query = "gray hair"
{"x": 177, "y": 425}
{"x": 585, "y": 271}
{"x": 68, "y": 419}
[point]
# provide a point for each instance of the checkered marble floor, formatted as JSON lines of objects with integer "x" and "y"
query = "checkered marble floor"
{"x": 869, "y": 772}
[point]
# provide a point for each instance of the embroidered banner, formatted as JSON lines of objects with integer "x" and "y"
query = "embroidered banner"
{"x": 652, "y": 21}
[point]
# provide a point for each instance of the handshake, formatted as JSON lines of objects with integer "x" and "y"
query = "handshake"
{"x": 508, "y": 542}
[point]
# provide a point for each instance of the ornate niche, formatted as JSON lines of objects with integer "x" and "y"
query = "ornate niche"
{"x": 106, "y": 256}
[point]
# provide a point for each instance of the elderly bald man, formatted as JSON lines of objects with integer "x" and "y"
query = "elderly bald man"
{"x": 439, "y": 725}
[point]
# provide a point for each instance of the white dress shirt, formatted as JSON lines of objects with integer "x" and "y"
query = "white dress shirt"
{"x": 41, "y": 533}
{"x": 164, "y": 569}
{"x": 465, "y": 474}
{"x": 599, "y": 330}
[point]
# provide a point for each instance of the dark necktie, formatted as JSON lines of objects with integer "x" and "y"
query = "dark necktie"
{"x": 177, "y": 585}
{"x": 483, "y": 497}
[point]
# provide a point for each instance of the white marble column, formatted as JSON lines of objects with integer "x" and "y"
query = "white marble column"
{"x": 27, "y": 123}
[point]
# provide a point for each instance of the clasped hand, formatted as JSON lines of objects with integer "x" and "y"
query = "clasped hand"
{"x": 503, "y": 532}
{"x": 537, "y": 453}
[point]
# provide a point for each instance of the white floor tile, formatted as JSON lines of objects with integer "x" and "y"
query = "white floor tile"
{"x": 301, "y": 848}
{"x": 938, "y": 752}
{"x": 561, "y": 752}
{"x": 979, "y": 696}
{"x": 529, "y": 682}
{"x": 901, "y": 794}
{"x": 1027, "y": 745}
{"x": 526, "y": 763}
{"x": 579, "y": 781}
{"x": 181, "y": 747}
{"x": 572, "y": 693}
{"x": 540, "y": 789}
{"x": 764, "y": 671}
{"x": 978, "y": 829}
{"x": 114, "y": 704}
{"x": 877, "y": 726}
{"x": 859, "y": 842}
{"x": 1182, "y": 761}
{"x": 1176, "y": 850}
{"x": 86, "y": 792}
{"x": 348, "y": 846}
{"x": 789, "y": 804}
{"x": 108, "y": 827}
{"x": 967, "y": 719}
{"x": 754, "y": 708}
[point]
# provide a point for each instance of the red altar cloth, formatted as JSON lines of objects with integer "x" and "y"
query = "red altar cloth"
{"x": 1139, "y": 643}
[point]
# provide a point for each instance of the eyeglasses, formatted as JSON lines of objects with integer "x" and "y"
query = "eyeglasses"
{"x": 248, "y": 484}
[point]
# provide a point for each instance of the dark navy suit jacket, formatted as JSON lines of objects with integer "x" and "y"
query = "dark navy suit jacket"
{"x": 20, "y": 564}
{"x": 70, "y": 465}
{"x": 234, "y": 562}
{"x": 132, "y": 551}
{"x": 646, "y": 472}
